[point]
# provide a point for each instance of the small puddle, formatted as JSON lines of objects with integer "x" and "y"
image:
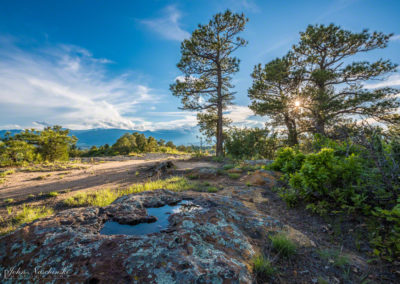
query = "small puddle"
{"x": 162, "y": 214}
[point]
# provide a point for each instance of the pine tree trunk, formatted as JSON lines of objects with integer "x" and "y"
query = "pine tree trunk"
{"x": 219, "y": 150}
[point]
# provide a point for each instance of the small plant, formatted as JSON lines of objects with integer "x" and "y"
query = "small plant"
{"x": 52, "y": 194}
{"x": 31, "y": 196}
{"x": 248, "y": 184}
{"x": 262, "y": 268}
{"x": 137, "y": 173}
{"x": 218, "y": 159}
{"x": 193, "y": 176}
{"x": 9, "y": 200}
{"x": 322, "y": 280}
{"x": 29, "y": 214}
{"x": 228, "y": 167}
{"x": 335, "y": 257}
{"x": 212, "y": 189}
{"x": 233, "y": 175}
{"x": 283, "y": 245}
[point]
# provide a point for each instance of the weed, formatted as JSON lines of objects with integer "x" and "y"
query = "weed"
{"x": 334, "y": 257}
{"x": 9, "y": 200}
{"x": 52, "y": 194}
{"x": 193, "y": 176}
{"x": 228, "y": 167}
{"x": 29, "y": 214}
{"x": 233, "y": 175}
{"x": 283, "y": 245}
{"x": 212, "y": 189}
{"x": 262, "y": 268}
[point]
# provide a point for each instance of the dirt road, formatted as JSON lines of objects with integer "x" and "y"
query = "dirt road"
{"x": 86, "y": 176}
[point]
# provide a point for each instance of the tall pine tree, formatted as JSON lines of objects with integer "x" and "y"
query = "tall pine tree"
{"x": 207, "y": 64}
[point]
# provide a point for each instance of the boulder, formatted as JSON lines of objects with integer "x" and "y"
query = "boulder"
{"x": 213, "y": 243}
{"x": 160, "y": 168}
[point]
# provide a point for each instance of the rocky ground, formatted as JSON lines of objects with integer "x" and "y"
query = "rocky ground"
{"x": 214, "y": 241}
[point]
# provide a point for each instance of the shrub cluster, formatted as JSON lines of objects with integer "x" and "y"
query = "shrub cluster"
{"x": 344, "y": 177}
{"x": 50, "y": 144}
{"x": 250, "y": 143}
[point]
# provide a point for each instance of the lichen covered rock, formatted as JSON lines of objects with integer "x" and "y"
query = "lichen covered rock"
{"x": 213, "y": 241}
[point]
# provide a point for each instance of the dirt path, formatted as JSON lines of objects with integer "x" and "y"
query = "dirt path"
{"x": 107, "y": 174}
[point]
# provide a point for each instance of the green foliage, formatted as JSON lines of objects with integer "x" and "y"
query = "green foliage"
{"x": 349, "y": 178}
{"x": 250, "y": 143}
{"x": 228, "y": 167}
{"x": 283, "y": 245}
{"x": 288, "y": 161}
{"x": 212, "y": 189}
{"x": 99, "y": 198}
{"x": 263, "y": 268}
{"x": 275, "y": 92}
{"x": 50, "y": 144}
{"x": 52, "y": 194}
{"x": 386, "y": 232}
{"x": 335, "y": 257}
{"x": 133, "y": 144}
{"x": 234, "y": 175}
{"x": 289, "y": 195}
{"x": 29, "y": 214}
{"x": 333, "y": 84}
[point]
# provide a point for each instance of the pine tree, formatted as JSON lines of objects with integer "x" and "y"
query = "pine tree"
{"x": 207, "y": 64}
{"x": 333, "y": 87}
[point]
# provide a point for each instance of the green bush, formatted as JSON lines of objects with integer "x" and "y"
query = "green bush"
{"x": 359, "y": 179}
{"x": 288, "y": 161}
{"x": 250, "y": 143}
{"x": 386, "y": 232}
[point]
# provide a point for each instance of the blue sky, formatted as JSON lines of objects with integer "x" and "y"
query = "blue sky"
{"x": 108, "y": 64}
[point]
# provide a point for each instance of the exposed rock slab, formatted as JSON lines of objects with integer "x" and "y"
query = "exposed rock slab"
{"x": 213, "y": 242}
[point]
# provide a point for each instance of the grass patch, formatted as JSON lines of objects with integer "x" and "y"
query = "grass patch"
{"x": 262, "y": 268}
{"x": 283, "y": 245}
{"x": 334, "y": 257}
{"x": 6, "y": 173}
{"x": 233, "y": 175}
{"x": 107, "y": 196}
{"x": 228, "y": 167}
{"x": 26, "y": 215}
{"x": 212, "y": 189}
{"x": 99, "y": 198}
{"x": 52, "y": 194}
{"x": 193, "y": 176}
{"x": 9, "y": 200}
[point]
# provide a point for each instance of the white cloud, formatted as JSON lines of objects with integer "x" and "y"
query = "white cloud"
{"x": 395, "y": 37}
{"x": 391, "y": 81}
{"x": 168, "y": 24}
{"x": 65, "y": 85}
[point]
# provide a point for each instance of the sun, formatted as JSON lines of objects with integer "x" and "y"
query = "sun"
{"x": 297, "y": 103}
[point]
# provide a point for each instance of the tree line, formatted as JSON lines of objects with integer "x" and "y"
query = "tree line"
{"x": 55, "y": 144}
